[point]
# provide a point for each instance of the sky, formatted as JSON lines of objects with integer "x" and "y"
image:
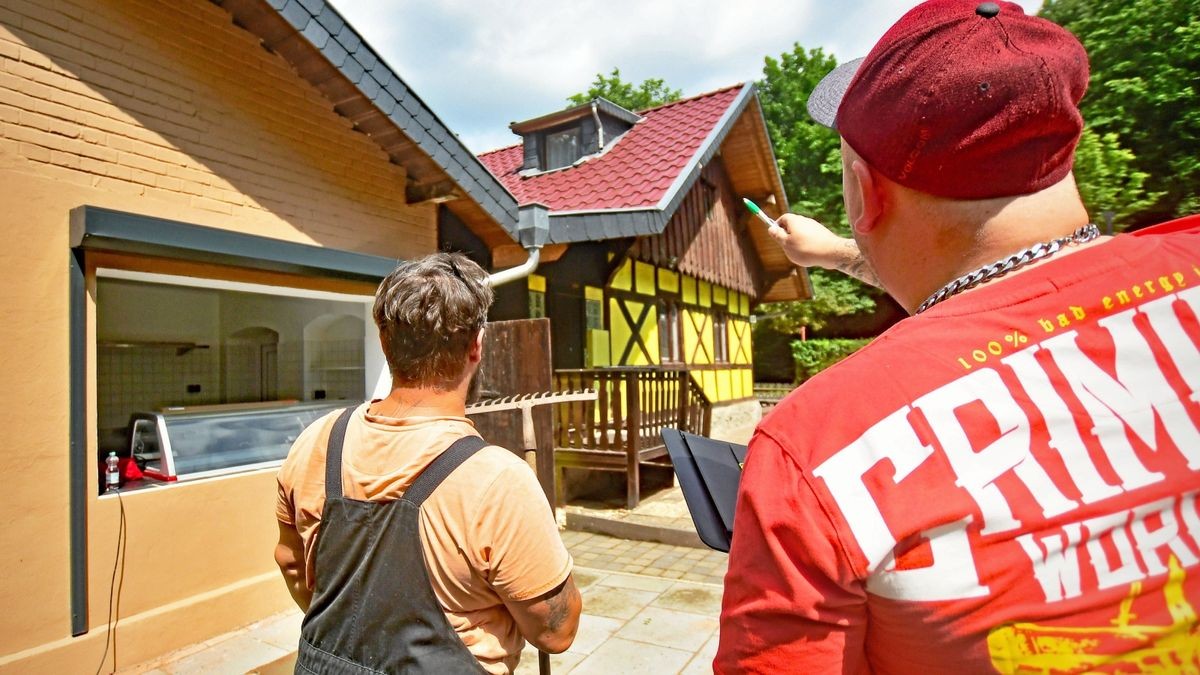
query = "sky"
{"x": 483, "y": 64}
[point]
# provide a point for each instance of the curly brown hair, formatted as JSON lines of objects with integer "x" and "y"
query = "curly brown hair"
{"x": 429, "y": 312}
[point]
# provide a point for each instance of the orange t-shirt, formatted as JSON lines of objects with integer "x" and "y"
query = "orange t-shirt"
{"x": 487, "y": 532}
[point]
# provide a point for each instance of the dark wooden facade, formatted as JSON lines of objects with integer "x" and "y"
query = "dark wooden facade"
{"x": 706, "y": 238}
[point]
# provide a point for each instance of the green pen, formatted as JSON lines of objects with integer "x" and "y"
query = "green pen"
{"x": 758, "y": 212}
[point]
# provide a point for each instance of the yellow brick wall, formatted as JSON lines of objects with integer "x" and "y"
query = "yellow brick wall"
{"x": 163, "y": 108}
{"x": 170, "y": 102}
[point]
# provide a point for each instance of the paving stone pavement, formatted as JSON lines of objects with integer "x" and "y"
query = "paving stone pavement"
{"x": 646, "y": 558}
{"x": 647, "y": 608}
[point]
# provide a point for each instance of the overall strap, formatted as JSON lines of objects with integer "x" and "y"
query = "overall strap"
{"x": 333, "y": 455}
{"x": 445, "y": 464}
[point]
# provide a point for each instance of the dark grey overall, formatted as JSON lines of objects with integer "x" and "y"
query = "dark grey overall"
{"x": 373, "y": 608}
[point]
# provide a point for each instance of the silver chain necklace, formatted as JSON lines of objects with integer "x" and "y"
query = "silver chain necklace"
{"x": 1003, "y": 266}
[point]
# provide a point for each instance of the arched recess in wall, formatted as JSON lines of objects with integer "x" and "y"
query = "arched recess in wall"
{"x": 333, "y": 357}
{"x": 250, "y": 365}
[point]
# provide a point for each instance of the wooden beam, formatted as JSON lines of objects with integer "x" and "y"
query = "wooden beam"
{"x": 421, "y": 193}
{"x": 511, "y": 255}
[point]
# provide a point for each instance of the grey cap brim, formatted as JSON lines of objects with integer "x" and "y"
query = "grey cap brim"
{"x": 826, "y": 98}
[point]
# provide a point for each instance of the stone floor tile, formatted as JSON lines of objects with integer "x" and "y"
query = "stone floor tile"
{"x": 237, "y": 654}
{"x": 593, "y": 632}
{"x": 669, "y": 628}
{"x": 689, "y": 597}
{"x": 280, "y": 631}
{"x": 636, "y": 582}
{"x": 701, "y": 663}
{"x": 560, "y": 664}
{"x": 632, "y": 658}
{"x": 615, "y": 603}
{"x": 585, "y": 578}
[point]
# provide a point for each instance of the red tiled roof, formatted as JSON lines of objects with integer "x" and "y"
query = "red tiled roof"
{"x": 636, "y": 172}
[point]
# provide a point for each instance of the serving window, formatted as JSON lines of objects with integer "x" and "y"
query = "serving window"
{"x": 200, "y": 377}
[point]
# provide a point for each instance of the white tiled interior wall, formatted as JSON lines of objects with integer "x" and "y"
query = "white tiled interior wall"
{"x": 320, "y": 348}
{"x": 149, "y": 377}
{"x": 337, "y": 368}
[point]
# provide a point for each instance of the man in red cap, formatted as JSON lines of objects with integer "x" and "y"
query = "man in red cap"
{"x": 1007, "y": 480}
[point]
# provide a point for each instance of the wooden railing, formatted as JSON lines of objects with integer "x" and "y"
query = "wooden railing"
{"x": 632, "y": 407}
{"x": 771, "y": 393}
{"x": 622, "y": 428}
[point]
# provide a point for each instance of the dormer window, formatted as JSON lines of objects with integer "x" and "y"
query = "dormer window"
{"x": 562, "y": 148}
{"x": 559, "y": 140}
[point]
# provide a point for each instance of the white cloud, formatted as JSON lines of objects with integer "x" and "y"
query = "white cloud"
{"x": 481, "y": 64}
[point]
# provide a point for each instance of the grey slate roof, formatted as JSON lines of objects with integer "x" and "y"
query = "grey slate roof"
{"x": 322, "y": 26}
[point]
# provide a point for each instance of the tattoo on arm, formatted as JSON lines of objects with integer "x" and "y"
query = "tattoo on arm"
{"x": 559, "y": 611}
{"x": 855, "y": 265}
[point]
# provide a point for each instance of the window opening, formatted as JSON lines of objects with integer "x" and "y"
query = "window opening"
{"x": 209, "y": 377}
{"x": 562, "y": 149}
{"x": 669, "y": 344}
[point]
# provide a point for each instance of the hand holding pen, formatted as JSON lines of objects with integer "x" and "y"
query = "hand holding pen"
{"x": 808, "y": 243}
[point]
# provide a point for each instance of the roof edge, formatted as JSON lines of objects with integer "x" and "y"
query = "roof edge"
{"x": 691, "y": 171}
{"x": 574, "y": 112}
{"x": 328, "y": 33}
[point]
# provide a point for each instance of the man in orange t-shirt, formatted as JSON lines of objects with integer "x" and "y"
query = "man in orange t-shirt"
{"x": 408, "y": 541}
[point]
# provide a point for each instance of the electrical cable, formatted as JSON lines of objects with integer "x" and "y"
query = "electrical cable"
{"x": 115, "y": 586}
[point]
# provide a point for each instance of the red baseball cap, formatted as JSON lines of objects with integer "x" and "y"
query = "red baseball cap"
{"x": 962, "y": 99}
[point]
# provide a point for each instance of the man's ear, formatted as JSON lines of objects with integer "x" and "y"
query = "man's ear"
{"x": 870, "y": 195}
{"x": 475, "y": 354}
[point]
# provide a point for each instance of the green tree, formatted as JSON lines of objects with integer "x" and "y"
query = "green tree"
{"x": 651, "y": 92}
{"x": 1109, "y": 180}
{"x": 1145, "y": 89}
{"x": 810, "y": 163}
{"x": 809, "y": 155}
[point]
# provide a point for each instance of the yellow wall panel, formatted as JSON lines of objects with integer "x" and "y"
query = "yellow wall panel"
{"x": 649, "y": 338}
{"x": 748, "y": 383}
{"x": 704, "y": 294}
{"x": 536, "y": 282}
{"x": 724, "y": 386}
{"x": 719, "y": 295}
{"x": 745, "y": 305}
{"x": 709, "y": 378}
{"x": 748, "y": 341}
{"x": 619, "y": 330}
{"x": 697, "y": 330}
{"x": 690, "y": 337}
{"x": 622, "y": 334}
{"x": 668, "y": 281}
{"x": 739, "y": 341}
{"x": 645, "y": 278}
{"x": 593, "y": 293}
{"x": 597, "y": 351}
{"x": 622, "y": 279}
{"x": 689, "y": 290}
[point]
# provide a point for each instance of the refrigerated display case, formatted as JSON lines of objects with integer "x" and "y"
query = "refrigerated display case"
{"x": 180, "y": 445}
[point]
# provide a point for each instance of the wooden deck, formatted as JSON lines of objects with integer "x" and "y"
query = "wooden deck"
{"x": 621, "y": 429}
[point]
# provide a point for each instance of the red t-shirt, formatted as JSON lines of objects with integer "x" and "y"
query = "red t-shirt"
{"x": 1007, "y": 482}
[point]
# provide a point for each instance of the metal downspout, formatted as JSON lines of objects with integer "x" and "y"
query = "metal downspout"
{"x": 533, "y": 230}
{"x": 599, "y": 127}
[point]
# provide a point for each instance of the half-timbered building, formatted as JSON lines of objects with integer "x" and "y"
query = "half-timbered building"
{"x": 652, "y": 267}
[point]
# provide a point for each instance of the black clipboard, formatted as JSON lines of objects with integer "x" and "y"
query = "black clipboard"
{"x": 709, "y": 472}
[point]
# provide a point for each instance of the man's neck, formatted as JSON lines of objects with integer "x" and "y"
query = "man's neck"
{"x": 953, "y": 242}
{"x": 422, "y": 402}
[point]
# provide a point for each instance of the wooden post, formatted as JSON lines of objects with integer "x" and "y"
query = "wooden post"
{"x": 681, "y": 380}
{"x": 633, "y": 432}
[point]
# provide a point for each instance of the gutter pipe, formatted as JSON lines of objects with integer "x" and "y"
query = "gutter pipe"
{"x": 533, "y": 230}
{"x": 599, "y": 127}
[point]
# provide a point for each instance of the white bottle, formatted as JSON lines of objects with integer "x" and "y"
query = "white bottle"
{"x": 112, "y": 472}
